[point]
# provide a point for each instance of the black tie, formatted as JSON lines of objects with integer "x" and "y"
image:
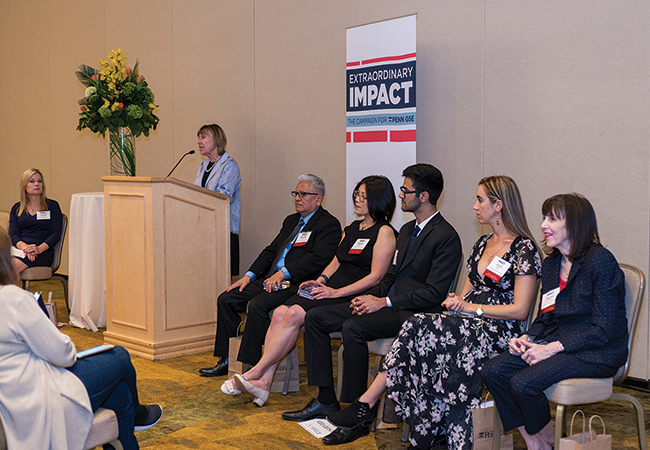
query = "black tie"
{"x": 414, "y": 236}
{"x": 292, "y": 235}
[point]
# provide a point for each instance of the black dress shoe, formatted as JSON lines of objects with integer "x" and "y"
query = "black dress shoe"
{"x": 342, "y": 435}
{"x": 220, "y": 369}
{"x": 313, "y": 409}
{"x": 358, "y": 413}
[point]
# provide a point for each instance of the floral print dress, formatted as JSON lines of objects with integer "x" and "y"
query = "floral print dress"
{"x": 433, "y": 367}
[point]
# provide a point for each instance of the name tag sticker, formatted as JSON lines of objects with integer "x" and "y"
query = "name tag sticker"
{"x": 43, "y": 215}
{"x": 302, "y": 239}
{"x": 358, "y": 246}
{"x": 395, "y": 257}
{"x": 496, "y": 269}
{"x": 548, "y": 300}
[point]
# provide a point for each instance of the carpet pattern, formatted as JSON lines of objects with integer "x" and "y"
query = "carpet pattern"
{"x": 197, "y": 415}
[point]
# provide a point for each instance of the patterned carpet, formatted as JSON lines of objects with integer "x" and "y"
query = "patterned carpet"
{"x": 197, "y": 415}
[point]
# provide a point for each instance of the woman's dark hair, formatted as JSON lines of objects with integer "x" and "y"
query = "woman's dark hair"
{"x": 580, "y": 218}
{"x": 8, "y": 273}
{"x": 427, "y": 178}
{"x": 380, "y": 196}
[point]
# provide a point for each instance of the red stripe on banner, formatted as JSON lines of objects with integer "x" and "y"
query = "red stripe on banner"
{"x": 388, "y": 58}
{"x": 371, "y": 136}
{"x": 348, "y": 137}
{"x": 402, "y": 136}
{"x": 353, "y": 63}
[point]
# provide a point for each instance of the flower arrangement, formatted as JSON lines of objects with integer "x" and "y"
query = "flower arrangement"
{"x": 116, "y": 97}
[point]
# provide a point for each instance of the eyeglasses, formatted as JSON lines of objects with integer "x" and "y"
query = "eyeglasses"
{"x": 302, "y": 194}
{"x": 361, "y": 197}
{"x": 406, "y": 191}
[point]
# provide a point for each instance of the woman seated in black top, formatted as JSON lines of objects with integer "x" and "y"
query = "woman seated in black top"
{"x": 35, "y": 223}
{"x": 361, "y": 260}
{"x": 580, "y": 332}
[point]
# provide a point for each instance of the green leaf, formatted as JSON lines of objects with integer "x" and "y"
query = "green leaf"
{"x": 84, "y": 75}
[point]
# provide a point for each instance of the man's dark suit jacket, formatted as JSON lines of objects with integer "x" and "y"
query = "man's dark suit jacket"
{"x": 307, "y": 261}
{"x": 589, "y": 318}
{"x": 422, "y": 275}
{"x": 303, "y": 263}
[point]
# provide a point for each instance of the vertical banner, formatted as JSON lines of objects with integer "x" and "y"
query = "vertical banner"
{"x": 381, "y": 86}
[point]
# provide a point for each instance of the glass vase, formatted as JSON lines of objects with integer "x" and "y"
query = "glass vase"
{"x": 122, "y": 145}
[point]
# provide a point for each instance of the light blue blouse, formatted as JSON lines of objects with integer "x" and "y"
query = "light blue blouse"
{"x": 225, "y": 179}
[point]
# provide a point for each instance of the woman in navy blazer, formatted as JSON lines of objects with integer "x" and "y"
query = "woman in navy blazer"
{"x": 580, "y": 332}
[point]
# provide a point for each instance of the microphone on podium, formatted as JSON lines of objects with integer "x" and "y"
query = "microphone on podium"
{"x": 191, "y": 152}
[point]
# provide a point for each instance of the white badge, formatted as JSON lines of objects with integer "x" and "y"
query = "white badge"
{"x": 395, "y": 257}
{"x": 43, "y": 215}
{"x": 548, "y": 300}
{"x": 358, "y": 246}
{"x": 302, "y": 239}
{"x": 496, "y": 269}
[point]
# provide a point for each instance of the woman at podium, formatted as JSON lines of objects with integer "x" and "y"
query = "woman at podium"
{"x": 34, "y": 223}
{"x": 220, "y": 173}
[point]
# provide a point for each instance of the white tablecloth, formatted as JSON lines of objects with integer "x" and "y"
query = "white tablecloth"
{"x": 87, "y": 263}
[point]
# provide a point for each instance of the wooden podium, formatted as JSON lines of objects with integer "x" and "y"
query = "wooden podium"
{"x": 167, "y": 260}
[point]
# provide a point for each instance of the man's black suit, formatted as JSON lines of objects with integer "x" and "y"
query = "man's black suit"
{"x": 420, "y": 279}
{"x": 303, "y": 263}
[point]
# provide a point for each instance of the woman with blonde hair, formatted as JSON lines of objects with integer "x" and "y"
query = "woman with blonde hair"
{"x": 34, "y": 223}
{"x": 432, "y": 372}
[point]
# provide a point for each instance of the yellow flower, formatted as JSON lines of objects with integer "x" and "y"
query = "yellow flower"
{"x": 152, "y": 106}
{"x": 106, "y": 104}
{"x": 117, "y": 56}
{"x": 115, "y": 106}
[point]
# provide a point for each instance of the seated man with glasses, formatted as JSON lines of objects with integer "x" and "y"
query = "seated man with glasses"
{"x": 423, "y": 267}
{"x": 304, "y": 246}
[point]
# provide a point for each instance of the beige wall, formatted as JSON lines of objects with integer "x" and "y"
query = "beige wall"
{"x": 553, "y": 93}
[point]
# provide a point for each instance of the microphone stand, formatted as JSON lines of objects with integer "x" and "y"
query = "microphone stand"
{"x": 191, "y": 152}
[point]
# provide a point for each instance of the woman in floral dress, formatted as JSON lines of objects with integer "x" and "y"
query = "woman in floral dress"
{"x": 432, "y": 373}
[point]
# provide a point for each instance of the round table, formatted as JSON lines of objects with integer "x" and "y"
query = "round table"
{"x": 87, "y": 265}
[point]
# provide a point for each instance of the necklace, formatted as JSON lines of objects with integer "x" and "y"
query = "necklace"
{"x": 210, "y": 166}
{"x": 363, "y": 227}
{"x": 495, "y": 253}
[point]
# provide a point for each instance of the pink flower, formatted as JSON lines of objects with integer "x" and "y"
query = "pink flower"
{"x": 95, "y": 77}
{"x": 138, "y": 80}
{"x": 128, "y": 71}
{"x": 83, "y": 108}
{"x": 120, "y": 106}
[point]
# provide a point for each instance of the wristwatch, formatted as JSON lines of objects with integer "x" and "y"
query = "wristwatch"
{"x": 479, "y": 312}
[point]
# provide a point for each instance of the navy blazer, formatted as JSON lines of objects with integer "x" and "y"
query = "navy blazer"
{"x": 423, "y": 275}
{"x": 589, "y": 318}
{"x": 307, "y": 261}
